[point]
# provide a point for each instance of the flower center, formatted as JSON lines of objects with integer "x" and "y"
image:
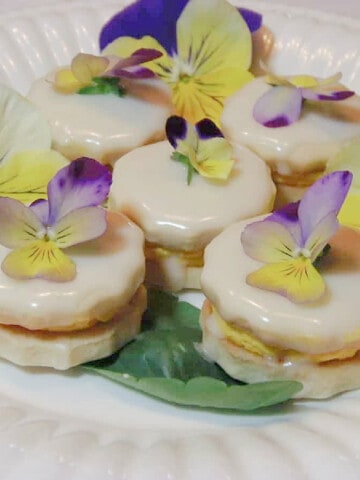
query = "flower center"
{"x": 47, "y": 234}
{"x": 182, "y": 70}
{"x": 301, "y": 252}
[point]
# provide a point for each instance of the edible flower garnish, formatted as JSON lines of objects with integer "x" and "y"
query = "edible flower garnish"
{"x": 202, "y": 148}
{"x": 281, "y": 105}
{"x": 25, "y": 175}
{"x": 157, "y": 18}
{"x": 349, "y": 159}
{"x": 70, "y": 216}
{"x": 92, "y": 74}
{"x": 291, "y": 239}
{"x": 204, "y": 63}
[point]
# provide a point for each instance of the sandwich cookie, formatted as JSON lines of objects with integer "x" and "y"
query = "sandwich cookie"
{"x": 184, "y": 192}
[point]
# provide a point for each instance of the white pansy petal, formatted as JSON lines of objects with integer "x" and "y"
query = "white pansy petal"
{"x": 79, "y": 226}
{"x": 268, "y": 242}
{"x": 17, "y": 119}
{"x": 320, "y": 236}
{"x": 19, "y": 224}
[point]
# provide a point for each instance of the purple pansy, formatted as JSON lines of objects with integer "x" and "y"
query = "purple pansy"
{"x": 202, "y": 148}
{"x": 282, "y": 104}
{"x": 177, "y": 129}
{"x": 157, "y": 18}
{"x": 291, "y": 239}
{"x": 71, "y": 215}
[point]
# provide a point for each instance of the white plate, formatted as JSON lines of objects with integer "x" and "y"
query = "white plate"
{"x": 78, "y": 426}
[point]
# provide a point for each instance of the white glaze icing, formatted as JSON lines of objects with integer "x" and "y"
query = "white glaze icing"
{"x": 103, "y": 127}
{"x": 151, "y": 189}
{"x": 303, "y": 147}
{"x": 109, "y": 271}
{"x": 329, "y": 324}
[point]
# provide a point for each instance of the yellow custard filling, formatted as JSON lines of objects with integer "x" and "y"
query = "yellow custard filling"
{"x": 242, "y": 338}
{"x": 297, "y": 180}
{"x": 191, "y": 259}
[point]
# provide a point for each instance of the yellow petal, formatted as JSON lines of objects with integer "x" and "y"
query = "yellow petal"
{"x": 297, "y": 279}
{"x": 126, "y": 46}
{"x": 85, "y": 67}
{"x": 216, "y": 148}
{"x": 215, "y": 169}
{"x": 66, "y": 82}
{"x": 25, "y": 175}
{"x": 204, "y": 97}
{"x": 213, "y": 158}
{"x": 304, "y": 81}
{"x": 348, "y": 159}
{"x": 223, "y": 82}
{"x": 349, "y": 214}
{"x": 39, "y": 259}
{"x": 212, "y": 35}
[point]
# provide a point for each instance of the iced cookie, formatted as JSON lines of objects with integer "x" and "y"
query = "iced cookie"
{"x": 71, "y": 273}
{"x": 280, "y": 304}
{"x": 103, "y": 107}
{"x": 184, "y": 192}
{"x": 296, "y": 124}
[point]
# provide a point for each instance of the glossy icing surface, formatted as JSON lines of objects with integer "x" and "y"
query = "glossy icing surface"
{"x": 109, "y": 271}
{"x": 151, "y": 189}
{"x": 303, "y": 147}
{"x": 329, "y": 324}
{"x": 103, "y": 127}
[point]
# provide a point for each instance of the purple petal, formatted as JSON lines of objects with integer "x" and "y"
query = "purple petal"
{"x": 278, "y": 107}
{"x": 253, "y": 19}
{"x": 324, "y": 197}
{"x": 156, "y": 18}
{"x": 207, "y": 129}
{"x": 83, "y": 183}
{"x": 320, "y": 95}
{"x": 132, "y": 72}
{"x": 176, "y": 129}
{"x": 288, "y": 216}
{"x": 131, "y": 67}
{"x": 41, "y": 209}
{"x": 142, "y": 55}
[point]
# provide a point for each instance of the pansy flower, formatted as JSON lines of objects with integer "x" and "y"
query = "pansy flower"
{"x": 201, "y": 148}
{"x": 92, "y": 74}
{"x": 206, "y": 46}
{"x": 291, "y": 239}
{"x": 71, "y": 215}
{"x": 281, "y": 105}
{"x": 349, "y": 159}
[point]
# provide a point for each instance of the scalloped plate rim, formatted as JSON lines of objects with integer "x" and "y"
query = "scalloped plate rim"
{"x": 44, "y": 428}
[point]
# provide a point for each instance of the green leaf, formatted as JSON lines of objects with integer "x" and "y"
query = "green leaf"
{"x": 164, "y": 361}
{"x": 179, "y": 157}
{"x": 103, "y": 86}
